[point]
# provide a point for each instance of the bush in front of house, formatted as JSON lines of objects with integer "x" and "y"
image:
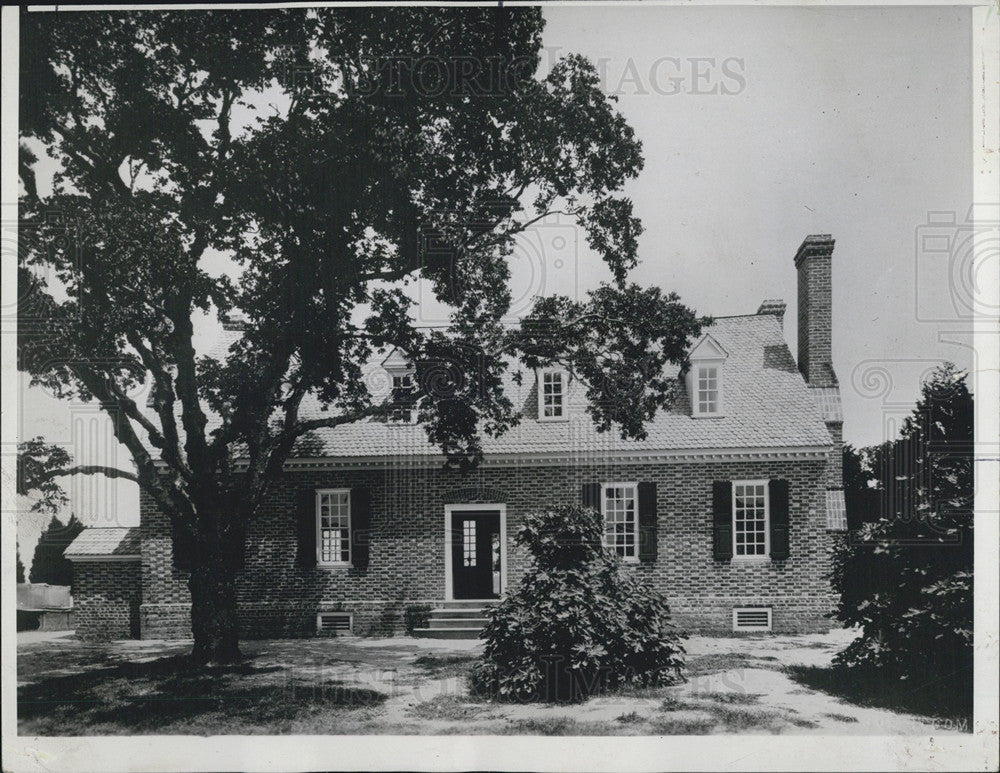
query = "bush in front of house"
{"x": 579, "y": 623}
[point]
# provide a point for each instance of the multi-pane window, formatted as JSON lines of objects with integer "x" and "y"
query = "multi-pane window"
{"x": 618, "y": 502}
{"x": 553, "y": 394}
{"x": 401, "y": 413}
{"x": 468, "y": 543}
{"x": 708, "y": 389}
{"x": 750, "y": 537}
{"x": 333, "y": 521}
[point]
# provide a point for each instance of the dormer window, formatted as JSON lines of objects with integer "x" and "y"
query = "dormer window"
{"x": 708, "y": 389}
{"x": 402, "y": 414}
{"x": 400, "y": 404}
{"x": 552, "y": 394}
{"x": 706, "y": 378}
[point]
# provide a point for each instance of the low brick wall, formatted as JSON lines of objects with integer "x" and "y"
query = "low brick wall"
{"x": 283, "y": 620}
{"x": 106, "y": 599}
{"x": 789, "y": 614}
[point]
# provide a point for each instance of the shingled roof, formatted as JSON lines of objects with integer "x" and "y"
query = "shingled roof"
{"x": 111, "y": 542}
{"x": 767, "y": 406}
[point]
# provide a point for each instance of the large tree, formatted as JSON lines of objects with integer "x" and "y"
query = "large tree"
{"x": 334, "y": 156}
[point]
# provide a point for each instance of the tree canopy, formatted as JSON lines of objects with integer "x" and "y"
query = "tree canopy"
{"x": 335, "y": 156}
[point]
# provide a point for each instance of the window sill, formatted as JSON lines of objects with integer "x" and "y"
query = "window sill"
{"x": 751, "y": 559}
{"x": 553, "y": 419}
{"x": 708, "y": 415}
{"x": 334, "y": 567}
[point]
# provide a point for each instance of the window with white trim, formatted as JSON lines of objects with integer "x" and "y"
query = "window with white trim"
{"x": 707, "y": 396}
{"x": 552, "y": 394}
{"x": 619, "y": 506}
{"x": 402, "y": 414}
{"x": 751, "y": 532}
{"x": 333, "y": 527}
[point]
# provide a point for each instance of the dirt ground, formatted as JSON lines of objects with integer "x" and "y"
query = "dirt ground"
{"x": 404, "y": 685}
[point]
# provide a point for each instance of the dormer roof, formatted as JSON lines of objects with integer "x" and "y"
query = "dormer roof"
{"x": 396, "y": 361}
{"x": 708, "y": 349}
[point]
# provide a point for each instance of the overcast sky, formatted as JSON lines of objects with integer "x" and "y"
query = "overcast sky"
{"x": 759, "y": 126}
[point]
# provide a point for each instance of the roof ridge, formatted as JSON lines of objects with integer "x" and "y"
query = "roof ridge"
{"x": 736, "y": 316}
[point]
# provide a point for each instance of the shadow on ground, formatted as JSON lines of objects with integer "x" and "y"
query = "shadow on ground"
{"x": 169, "y": 694}
{"x": 941, "y": 696}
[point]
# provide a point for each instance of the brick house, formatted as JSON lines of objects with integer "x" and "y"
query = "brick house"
{"x": 729, "y": 507}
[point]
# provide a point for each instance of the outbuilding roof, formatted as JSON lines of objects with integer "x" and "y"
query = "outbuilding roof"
{"x": 111, "y": 542}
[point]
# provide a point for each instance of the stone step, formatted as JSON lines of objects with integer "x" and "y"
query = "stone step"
{"x": 477, "y": 613}
{"x": 468, "y": 604}
{"x": 446, "y": 633}
{"x": 457, "y": 622}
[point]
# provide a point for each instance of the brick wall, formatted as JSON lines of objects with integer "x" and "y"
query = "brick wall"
{"x": 407, "y": 564}
{"x": 106, "y": 598}
{"x": 835, "y": 467}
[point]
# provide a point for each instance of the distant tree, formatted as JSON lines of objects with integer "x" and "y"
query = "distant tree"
{"x": 335, "y": 155}
{"x": 20, "y": 566}
{"x": 49, "y": 565}
{"x": 907, "y": 577}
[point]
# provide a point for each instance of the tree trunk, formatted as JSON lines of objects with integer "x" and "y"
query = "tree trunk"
{"x": 214, "y": 620}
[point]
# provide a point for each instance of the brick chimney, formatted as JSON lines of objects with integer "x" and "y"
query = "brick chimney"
{"x": 774, "y": 307}
{"x": 813, "y": 261}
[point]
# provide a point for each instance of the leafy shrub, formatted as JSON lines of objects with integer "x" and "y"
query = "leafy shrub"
{"x": 578, "y": 623}
{"x": 906, "y": 577}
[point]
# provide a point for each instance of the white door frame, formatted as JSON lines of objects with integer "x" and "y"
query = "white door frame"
{"x": 449, "y": 592}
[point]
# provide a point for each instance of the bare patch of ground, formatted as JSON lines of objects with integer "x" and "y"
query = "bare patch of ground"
{"x": 416, "y": 686}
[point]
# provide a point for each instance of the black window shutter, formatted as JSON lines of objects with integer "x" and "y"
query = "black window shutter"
{"x": 778, "y": 496}
{"x": 306, "y": 513}
{"x": 647, "y": 521}
{"x": 592, "y": 495}
{"x": 722, "y": 520}
{"x": 182, "y": 544}
{"x": 361, "y": 519}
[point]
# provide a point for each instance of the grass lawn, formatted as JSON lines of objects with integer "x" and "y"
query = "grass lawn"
{"x": 401, "y": 686}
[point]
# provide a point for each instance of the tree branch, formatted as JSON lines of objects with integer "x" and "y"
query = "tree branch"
{"x": 85, "y": 469}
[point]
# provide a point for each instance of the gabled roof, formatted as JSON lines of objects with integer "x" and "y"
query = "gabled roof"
{"x": 396, "y": 361}
{"x": 768, "y": 406}
{"x": 707, "y": 349}
{"x": 97, "y": 543}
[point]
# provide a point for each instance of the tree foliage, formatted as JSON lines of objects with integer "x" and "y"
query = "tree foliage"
{"x": 906, "y": 576}
{"x": 579, "y": 622}
{"x": 48, "y": 564}
{"x": 335, "y": 156}
{"x": 20, "y": 566}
